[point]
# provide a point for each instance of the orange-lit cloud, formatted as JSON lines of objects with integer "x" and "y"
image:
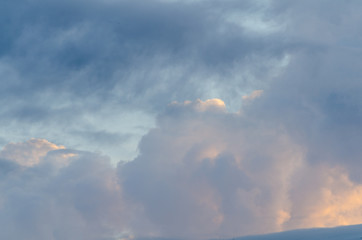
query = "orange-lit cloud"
{"x": 215, "y": 170}
{"x": 202, "y": 172}
{"x": 253, "y": 95}
{"x": 28, "y": 153}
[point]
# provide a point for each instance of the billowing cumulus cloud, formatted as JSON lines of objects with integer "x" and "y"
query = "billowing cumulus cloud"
{"x": 203, "y": 172}
{"x": 48, "y": 192}
{"x": 213, "y": 173}
{"x": 276, "y": 146}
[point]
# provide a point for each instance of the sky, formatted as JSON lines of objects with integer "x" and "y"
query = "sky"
{"x": 187, "y": 119}
{"x": 336, "y": 233}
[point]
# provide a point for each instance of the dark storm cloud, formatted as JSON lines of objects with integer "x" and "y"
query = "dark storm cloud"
{"x": 51, "y": 45}
{"x": 63, "y": 63}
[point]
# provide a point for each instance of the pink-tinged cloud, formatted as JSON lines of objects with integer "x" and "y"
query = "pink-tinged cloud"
{"x": 49, "y": 192}
{"x": 28, "y": 153}
{"x": 204, "y": 174}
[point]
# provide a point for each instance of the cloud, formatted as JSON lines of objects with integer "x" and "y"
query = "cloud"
{"x": 92, "y": 75}
{"x": 253, "y": 95}
{"x": 326, "y": 197}
{"x": 75, "y": 62}
{"x": 204, "y": 174}
{"x": 43, "y": 199}
{"x": 202, "y": 106}
{"x": 28, "y": 153}
{"x": 201, "y": 174}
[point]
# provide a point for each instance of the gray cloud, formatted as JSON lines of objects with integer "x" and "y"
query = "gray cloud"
{"x": 64, "y": 63}
{"x": 204, "y": 172}
{"x": 88, "y": 75}
{"x": 52, "y": 193}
